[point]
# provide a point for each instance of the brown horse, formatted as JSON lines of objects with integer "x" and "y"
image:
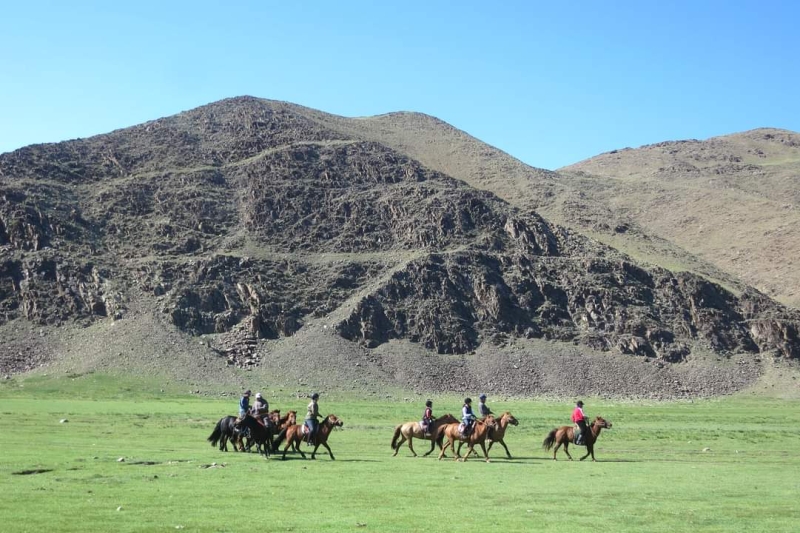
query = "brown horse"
{"x": 294, "y": 436}
{"x": 565, "y": 435}
{"x": 480, "y": 431}
{"x": 499, "y": 432}
{"x": 410, "y": 430}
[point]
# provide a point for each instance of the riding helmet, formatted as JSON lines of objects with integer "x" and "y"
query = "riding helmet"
{"x": 467, "y": 400}
{"x": 247, "y": 392}
{"x": 429, "y": 404}
{"x": 258, "y": 395}
{"x": 315, "y": 396}
{"x": 482, "y": 397}
{"x": 580, "y": 403}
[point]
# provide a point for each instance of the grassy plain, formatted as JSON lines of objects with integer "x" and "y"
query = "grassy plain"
{"x": 717, "y": 465}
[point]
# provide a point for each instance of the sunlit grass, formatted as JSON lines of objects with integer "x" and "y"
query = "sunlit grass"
{"x": 716, "y": 465}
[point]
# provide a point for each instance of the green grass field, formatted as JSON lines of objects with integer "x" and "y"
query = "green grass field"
{"x": 652, "y": 472}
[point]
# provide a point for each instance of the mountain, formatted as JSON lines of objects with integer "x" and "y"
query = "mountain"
{"x": 311, "y": 248}
{"x": 733, "y": 201}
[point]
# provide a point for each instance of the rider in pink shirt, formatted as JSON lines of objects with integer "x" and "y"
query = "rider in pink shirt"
{"x": 580, "y": 419}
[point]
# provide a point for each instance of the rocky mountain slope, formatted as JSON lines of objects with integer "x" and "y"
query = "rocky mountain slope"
{"x": 731, "y": 200}
{"x": 248, "y": 224}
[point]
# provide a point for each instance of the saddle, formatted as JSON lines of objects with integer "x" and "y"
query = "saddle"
{"x": 465, "y": 430}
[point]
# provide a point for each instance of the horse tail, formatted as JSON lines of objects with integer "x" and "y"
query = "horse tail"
{"x": 216, "y": 434}
{"x": 397, "y": 433}
{"x": 276, "y": 444}
{"x": 549, "y": 440}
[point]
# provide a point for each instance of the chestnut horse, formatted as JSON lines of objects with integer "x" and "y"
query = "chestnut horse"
{"x": 480, "y": 431}
{"x": 565, "y": 435}
{"x": 499, "y": 432}
{"x": 294, "y": 436}
{"x": 410, "y": 430}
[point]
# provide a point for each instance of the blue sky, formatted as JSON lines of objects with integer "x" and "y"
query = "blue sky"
{"x": 551, "y": 83}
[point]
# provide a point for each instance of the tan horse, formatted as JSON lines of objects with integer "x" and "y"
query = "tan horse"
{"x": 294, "y": 436}
{"x": 410, "y": 430}
{"x": 565, "y": 435}
{"x": 499, "y": 432}
{"x": 480, "y": 431}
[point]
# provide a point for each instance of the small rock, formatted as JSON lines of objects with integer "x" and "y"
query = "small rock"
{"x": 121, "y": 460}
{"x": 706, "y": 449}
{"x": 7, "y": 377}
{"x": 119, "y": 508}
{"x": 63, "y": 421}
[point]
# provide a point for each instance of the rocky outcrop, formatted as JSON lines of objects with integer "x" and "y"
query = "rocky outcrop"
{"x": 246, "y": 219}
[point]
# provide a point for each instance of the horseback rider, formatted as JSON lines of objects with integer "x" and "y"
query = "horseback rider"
{"x": 427, "y": 418}
{"x": 579, "y": 418}
{"x": 244, "y": 405}
{"x": 311, "y": 418}
{"x": 483, "y": 409}
{"x": 261, "y": 407}
{"x": 467, "y": 416}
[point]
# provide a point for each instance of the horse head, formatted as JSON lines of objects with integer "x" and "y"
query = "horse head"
{"x": 602, "y": 423}
{"x": 490, "y": 421}
{"x": 446, "y": 419}
{"x": 291, "y": 418}
{"x": 509, "y": 418}
{"x": 334, "y": 421}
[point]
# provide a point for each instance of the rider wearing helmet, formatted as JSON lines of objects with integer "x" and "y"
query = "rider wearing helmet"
{"x": 311, "y": 417}
{"x": 580, "y": 420}
{"x": 483, "y": 409}
{"x": 467, "y": 416}
{"x": 427, "y": 418}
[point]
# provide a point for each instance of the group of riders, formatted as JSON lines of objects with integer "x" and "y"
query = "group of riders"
{"x": 260, "y": 409}
{"x": 468, "y": 418}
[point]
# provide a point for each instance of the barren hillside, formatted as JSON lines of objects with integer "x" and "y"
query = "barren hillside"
{"x": 733, "y": 201}
{"x": 290, "y": 242}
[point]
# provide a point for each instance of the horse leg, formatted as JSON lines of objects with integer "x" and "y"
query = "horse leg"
{"x": 314, "y": 451}
{"x": 446, "y": 444}
{"x": 566, "y": 450}
{"x": 508, "y": 454}
{"x": 485, "y": 450}
{"x": 589, "y": 451}
{"x": 410, "y": 447}
{"x": 329, "y": 451}
{"x": 555, "y": 450}
{"x": 223, "y": 443}
{"x": 433, "y": 446}
{"x": 458, "y": 451}
{"x": 397, "y": 448}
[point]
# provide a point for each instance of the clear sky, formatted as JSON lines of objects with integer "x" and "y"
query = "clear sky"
{"x": 551, "y": 83}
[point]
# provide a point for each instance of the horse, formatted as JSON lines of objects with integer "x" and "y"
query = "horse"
{"x": 294, "y": 436}
{"x": 260, "y": 433}
{"x": 480, "y": 431}
{"x": 409, "y": 430}
{"x": 224, "y": 430}
{"x": 499, "y": 431}
{"x": 565, "y": 435}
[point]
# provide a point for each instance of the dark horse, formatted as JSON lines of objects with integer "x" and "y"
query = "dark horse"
{"x": 409, "y": 430}
{"x": 260, "y": 433}
{"x": 565, "y": 435}
{"x": 224, "y": 430}
{"x": 294, "y": 436}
